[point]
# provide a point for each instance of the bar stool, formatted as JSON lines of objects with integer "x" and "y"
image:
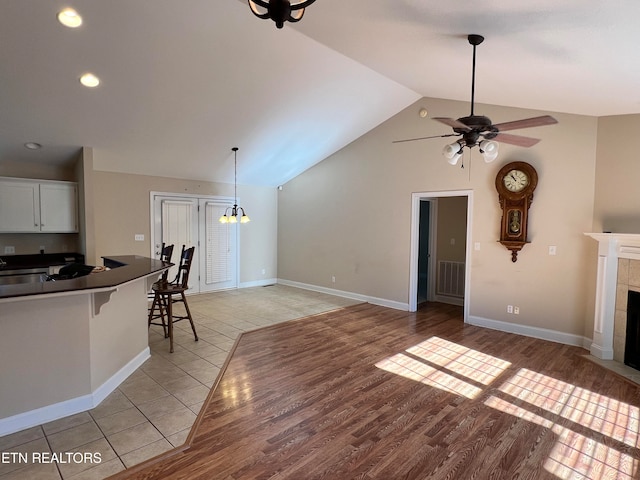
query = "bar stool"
{"x": 166, "y": 294}
{"x": 166, "y": 252}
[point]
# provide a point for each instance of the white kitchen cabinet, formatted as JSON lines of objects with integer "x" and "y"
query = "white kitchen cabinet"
{"x": 38, "y": 206}
{"x": 58, "y": 207}
{"x": 19, "y": 206}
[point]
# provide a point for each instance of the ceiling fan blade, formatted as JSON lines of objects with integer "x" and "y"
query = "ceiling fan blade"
{"x": 518, "y": 140}
{"x": 452, "y": 123}
{"x": 426, "y": 138}
{"x": 526, "y": 123}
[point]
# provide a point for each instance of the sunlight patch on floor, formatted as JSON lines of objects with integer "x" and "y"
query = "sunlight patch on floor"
{"x": 575, "y": 455}
{"x": 464, "y": 361}
{"x": 617, "y": 420}
{"x": 441, "y": 364}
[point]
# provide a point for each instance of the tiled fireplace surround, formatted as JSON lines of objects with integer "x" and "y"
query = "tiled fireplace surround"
{"x": 618, "y": 272}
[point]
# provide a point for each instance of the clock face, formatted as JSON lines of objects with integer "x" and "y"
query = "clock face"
{"x": 515, "y": 180}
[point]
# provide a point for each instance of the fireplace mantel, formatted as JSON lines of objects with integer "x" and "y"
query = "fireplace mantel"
{"x": 611, "y": 247}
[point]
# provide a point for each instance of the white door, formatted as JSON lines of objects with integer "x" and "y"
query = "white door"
{"x": 176, "y": 223}
{"x": 218, "y": 248}
{"x": 193, "y": 221}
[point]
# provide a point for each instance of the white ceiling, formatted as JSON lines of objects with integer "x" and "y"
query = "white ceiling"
{"x": 183, "y": 82}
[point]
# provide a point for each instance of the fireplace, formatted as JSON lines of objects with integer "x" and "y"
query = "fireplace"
{"x": 632, "y": 340}
{"x": 618, "y": 274}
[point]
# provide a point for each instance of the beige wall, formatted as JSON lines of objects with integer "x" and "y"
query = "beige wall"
{"x": 452, "y": 229}
{"x": 349, "y": 216}
{"x": 617, "y": 194}
{"x": 86, "y": 217}
{"x": 121, "y": 209}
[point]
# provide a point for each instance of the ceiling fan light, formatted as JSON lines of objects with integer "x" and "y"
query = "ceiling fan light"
{"x": 454, "y": 160}
{"x": 452, "y": 152}
{"x": 489, "y": 150}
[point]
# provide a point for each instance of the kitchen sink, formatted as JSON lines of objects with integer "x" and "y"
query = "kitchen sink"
{"x": 17, "y": 277}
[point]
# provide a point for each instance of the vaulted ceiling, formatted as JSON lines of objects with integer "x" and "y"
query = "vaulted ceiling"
{"x": 183, "y": 82}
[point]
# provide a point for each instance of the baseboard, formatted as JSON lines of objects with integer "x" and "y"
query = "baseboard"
{"x": 120, "y": 376}
{"x": 383, "y": 302}
{"x": 450, "y": 300}
{"x": 528, "y": 331}
{"x": 598, "y": 352}
{"x": 72, "y": 406}
{"x": 258, "y": 283}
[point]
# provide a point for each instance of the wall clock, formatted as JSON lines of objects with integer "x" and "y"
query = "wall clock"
{"x": 515, "y": 183}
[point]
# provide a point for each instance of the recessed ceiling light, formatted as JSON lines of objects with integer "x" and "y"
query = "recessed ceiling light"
{"x": 69, "y": 18}
{"x": 32, "y": 146}
{"x": 89, "y": 80}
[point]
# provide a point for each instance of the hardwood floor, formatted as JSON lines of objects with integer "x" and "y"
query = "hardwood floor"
{"x": 366, "y": 392}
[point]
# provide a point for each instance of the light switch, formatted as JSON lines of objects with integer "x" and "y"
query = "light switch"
{"x": 476, "y": 246}
{"x": 552, "y": 249}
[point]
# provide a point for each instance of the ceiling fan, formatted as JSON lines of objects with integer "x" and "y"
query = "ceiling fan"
{"x": 478, "y": 129}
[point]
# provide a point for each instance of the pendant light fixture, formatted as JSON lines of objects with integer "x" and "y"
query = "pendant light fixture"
{"x": 279, "y": 11}
{"x": 235, "y": 210}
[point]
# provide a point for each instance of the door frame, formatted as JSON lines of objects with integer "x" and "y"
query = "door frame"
{"x": 216, "y": 198}
{"x": 416, "y": 197}
{"x": 433, "y": 246}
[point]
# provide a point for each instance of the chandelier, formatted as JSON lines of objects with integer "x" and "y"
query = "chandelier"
{"x": 279, "y": 11}
{"x": 232, "y": 216}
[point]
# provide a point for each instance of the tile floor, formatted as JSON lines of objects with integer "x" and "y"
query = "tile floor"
{"x": 153, "y": 410}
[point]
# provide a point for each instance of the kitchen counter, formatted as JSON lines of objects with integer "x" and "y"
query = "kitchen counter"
{"x": 66, "y": 345}
{"x": 129, "y": 267}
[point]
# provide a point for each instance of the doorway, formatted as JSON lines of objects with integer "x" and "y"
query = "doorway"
{"x": 193, "y": 221}
{"x": 425, "y": 282}
{"x": 424, "y": 234}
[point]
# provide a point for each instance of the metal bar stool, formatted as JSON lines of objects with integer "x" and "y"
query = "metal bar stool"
{"x": 168, "y": 293}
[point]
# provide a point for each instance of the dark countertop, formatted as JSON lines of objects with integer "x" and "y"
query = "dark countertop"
{"x": 133, "y": 267}
{"x": 42, "y": 260}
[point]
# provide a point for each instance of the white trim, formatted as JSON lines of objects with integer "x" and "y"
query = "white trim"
{"x": 258, "y": 283}
{"x": 449, "y": 300}
{"x": 528, "y": 331}
{"x": 598, "y": 352}
{"x": 103, "y": 391}
{"x": 72, "y": 406}
{"x": 415, "y": 236}
{"x": 383, "y": 302}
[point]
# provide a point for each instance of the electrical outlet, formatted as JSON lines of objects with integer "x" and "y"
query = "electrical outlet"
{"x": 516, "y": 310}
{"x": 476, "y": 246}
{"x": 509, "y": 308}
{"x": 264, "y": 271}
{"x": 333, "y": 279}
{"x": 139, "y": 237}
{"x": 9, "y": 249}
{"x": 453, "y": 241}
